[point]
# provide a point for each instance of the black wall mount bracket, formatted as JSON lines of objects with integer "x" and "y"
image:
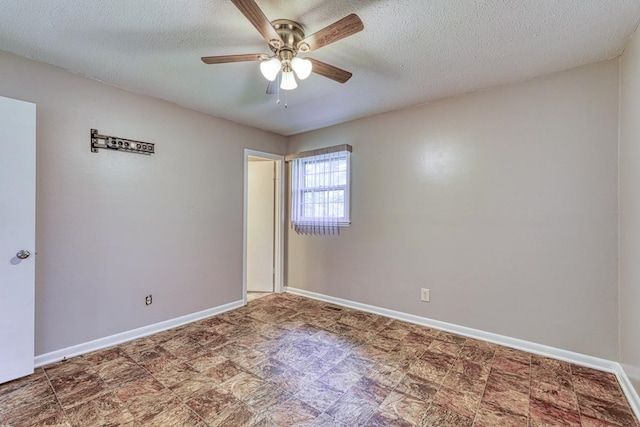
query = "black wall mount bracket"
{"x": 121, "y": 144}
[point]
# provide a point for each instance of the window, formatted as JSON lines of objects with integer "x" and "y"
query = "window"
{"x": 320, "y": 193}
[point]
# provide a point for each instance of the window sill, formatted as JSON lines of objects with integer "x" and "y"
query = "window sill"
{"x": 342, "y": 224}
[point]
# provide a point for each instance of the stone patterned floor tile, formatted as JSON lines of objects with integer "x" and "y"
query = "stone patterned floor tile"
{"x": 286, "y": 360}
{"x": 196, "y": 384}
{"x": 506, "y": 400}
{"x": 293, "y": 413}
{"x": 68, "y": 367}
{"x": 472, "y": 370}
{"x": 458, "y": 401}
{"x": 31, "y": 411}
{"x": 242, "y": 385}
{"x": 378, "y": 419}
{"x": 542, "y": 414}
{"x": 400, "y": 406}
{"x": 559, "y": 395}
{"x": 511, "y": 366}
{"x": 465, "y": 383}
{"x": 607, "y": 411}
{"x": 370, "y": 390}
{"x": 146, "y": 398}
{"x": 266, "y": 397}
{"x": 57, "y": 419}
{"x": 490, "y": 417}
{"x": 239, "y": 415}
{"x": 439, "y": 346}
{"x": 438, "y": 416}
{"x": 211, "y": 404}
{"x": 176, "y": 416}
{"x": 318, "y": 395}
{"x": 78, "y": 387}
{"x": 175, "y": 373}
{"x": 351, "y": 410}
{"x": 118, "y": 372}
{"x": 417, "y": 387}
{"x": 106, "y": 410}
{"x": 593, "y": 422}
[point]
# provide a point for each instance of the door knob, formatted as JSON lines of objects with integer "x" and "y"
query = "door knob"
{"x": 23, "y": 254}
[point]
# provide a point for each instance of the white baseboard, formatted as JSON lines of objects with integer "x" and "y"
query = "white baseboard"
{"x": 628, "y": 388}
{"x": 77, "y": 350}
{"x": 542, "y": 350}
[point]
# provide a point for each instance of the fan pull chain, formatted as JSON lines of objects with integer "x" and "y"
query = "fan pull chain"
{"x": 286, "y": 103}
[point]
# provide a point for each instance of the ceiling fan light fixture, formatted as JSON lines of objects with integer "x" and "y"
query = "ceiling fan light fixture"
{"x": 286, "y": 38}
{"x": 288, "y": 81}
{"x": 270, "y": 68}
{"x": 302, "y": 67}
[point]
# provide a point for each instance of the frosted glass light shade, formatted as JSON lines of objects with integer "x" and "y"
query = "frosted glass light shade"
{"x": 288, "y": 81}
{"x": 270, "y": 68}
{"x": 302, "y": 67}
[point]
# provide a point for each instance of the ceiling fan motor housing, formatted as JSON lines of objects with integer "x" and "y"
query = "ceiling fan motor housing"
{"x": 291, "y": 33}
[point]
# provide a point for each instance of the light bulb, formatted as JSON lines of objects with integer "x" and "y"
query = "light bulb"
{"x": 288, "y": 81}
{"x": 302, "y": 67}
{"x": 270, "y": 68}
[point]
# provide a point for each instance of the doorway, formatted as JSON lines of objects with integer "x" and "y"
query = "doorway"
{"x": 263, "y": 223}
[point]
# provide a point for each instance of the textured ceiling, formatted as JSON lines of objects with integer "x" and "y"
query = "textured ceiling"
{"x": 410, "y": 52}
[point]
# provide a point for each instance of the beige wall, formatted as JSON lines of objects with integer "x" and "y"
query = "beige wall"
{"x": 113, "y": 227}
{"x": 630, "y": 210}
{"x": 503, "y": 203}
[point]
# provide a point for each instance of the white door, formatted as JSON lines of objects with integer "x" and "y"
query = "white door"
{"x": 17, "y": 233}
{"x": 260, "y": 225}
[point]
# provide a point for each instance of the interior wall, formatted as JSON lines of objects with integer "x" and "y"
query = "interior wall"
{"x": 502, "y": 202}
{"x": 630, "y": 210}
{"x": 260, "y": 224}
{"x": 114, "y": 227}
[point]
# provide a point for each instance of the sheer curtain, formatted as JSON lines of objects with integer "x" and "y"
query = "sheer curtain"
{"x": 319, "y": 193}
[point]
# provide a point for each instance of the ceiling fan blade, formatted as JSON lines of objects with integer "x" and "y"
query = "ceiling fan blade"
{"x": 254, "y": 14}
{"x": 329, "y": 71}
{"x": 234, "y": 58}
{"x": 272, "y": 88}
{"x": 345, "y": 27}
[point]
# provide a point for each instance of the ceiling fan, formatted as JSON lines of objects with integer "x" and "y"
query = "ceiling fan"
{"x": 286, "y": 40}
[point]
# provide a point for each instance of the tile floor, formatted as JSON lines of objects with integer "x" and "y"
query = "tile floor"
{"x": 284, "y": 360}
{"x": 252, "y": 296}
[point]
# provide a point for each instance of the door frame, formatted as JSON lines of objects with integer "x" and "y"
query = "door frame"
{"x": 279, "y": 216}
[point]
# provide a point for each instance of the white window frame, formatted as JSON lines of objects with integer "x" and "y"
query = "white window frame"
{"x": 344, "y": 221}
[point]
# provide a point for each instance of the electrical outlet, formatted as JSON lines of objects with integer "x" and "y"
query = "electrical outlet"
{"x": 148, "y": 299}
{"x": 425, "y": 295}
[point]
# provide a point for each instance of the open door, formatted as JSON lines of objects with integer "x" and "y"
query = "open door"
{"x": 263, "y": 222}
{"x": 17, "y": 237}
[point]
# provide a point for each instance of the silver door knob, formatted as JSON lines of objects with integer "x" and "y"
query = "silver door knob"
{"x": 23, "y": 254}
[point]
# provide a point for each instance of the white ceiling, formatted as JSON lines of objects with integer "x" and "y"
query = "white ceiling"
{"x": 410, "y": 52}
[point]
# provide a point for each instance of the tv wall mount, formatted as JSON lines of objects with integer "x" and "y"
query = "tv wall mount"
{"x": 99, "y": 141}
